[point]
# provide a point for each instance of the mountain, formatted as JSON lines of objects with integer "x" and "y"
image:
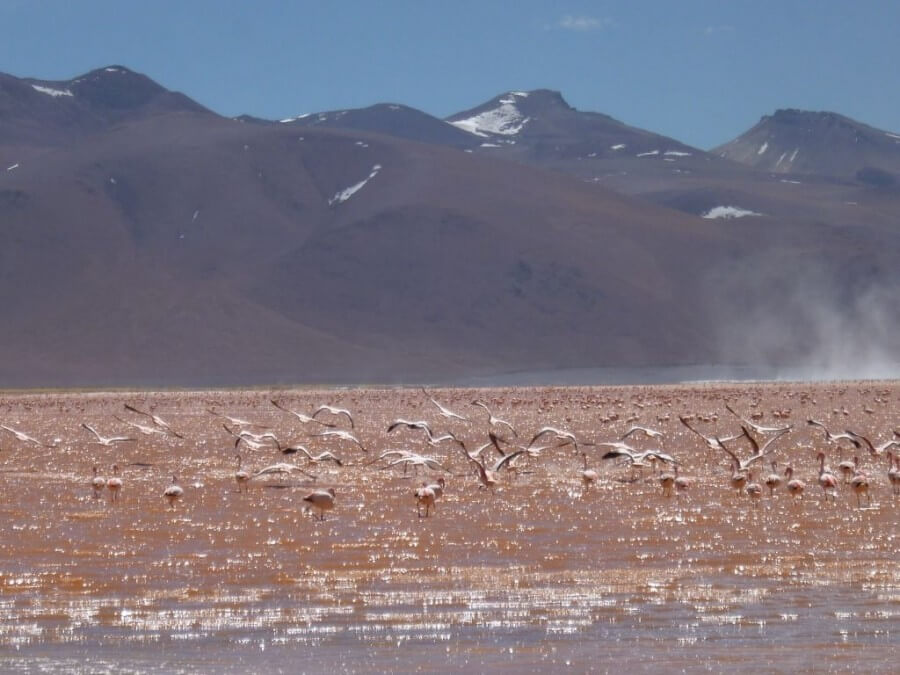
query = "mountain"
{"x": 41, "y": 113}
{"x": 391, "y": 119}
{"x": 800, "y": 142}
{"x": 542, "y": 126}
{"x": 193, "y": 249}
{"x": 152, "y": 242}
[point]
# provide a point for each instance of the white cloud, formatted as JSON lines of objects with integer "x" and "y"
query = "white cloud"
{"x": 584, "y": 23}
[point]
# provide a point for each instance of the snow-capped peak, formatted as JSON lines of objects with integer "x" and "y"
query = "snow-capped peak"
{"x": 506, "y": 119}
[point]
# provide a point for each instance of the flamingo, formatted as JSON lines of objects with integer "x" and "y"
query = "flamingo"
{"x": 795, "y": 486}
{"x": 143, "y": 428}
{"x": 567, "y": 437}
{"x": 174, "y": 492}
{"x": 157, "y": 420}
{"x": 255, "y": 441}
{"x": 414, "y": 460}
{"x": 873, "y": 449}
{"x": 835, "y": 438}
{"x": 98, "y": 482}
{"x": 493, "y": 420}
{"x": 421, "y": 424}
{"x": 827, "y": 480}
{"x": 107, "y": 440}
{"x": 305, "y": 419}
{"x": 738, "y": 477}
{"x": 860, "y": 485}
{"x": 321, "y": 457}
{"x": 681, "y": 483}
{"x": 25, "y": 438}
{"x": 234, "y": 421}
{"x": 334, "y": 411}
{"x": 712, "y": 442}
{"x": 240, "y": 476}
{"x": 428, "y": 495}
{"x": 773, "y": 480}
{"x": 758, "y": 428}
{"x": 637, "y": 460}
{"x": 637, "y": 429}
{"x": 321, "y": 500}
{"x": 894, "y": 473}
{"x": 754, "y": 490}
{"x": 282, "y": 468}
{"x": 342, "y": 435}
{"x": 114, "y": 484}
{"x": 759, "y": 452}
{"x": 424, "y": 496}
{"x": 588, "y": 476}
{"x": 848, "y": 468}
{"x": 667, "y": 481}
{"x": 444, "y": 411}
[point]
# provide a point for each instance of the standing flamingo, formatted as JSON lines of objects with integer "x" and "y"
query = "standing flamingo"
{"x": 754, "y": 490}
{"x": 240, "y": 476}
{"x": 827, "y": 480}
{"x": 860, "y": 485}
{"x": 114, "y": 484}
{"x": 588, "y": 476}
{"x": 174, "y": 492}
{"x": 795, "y": 486}
{"x": 894, "y": 472}
{"x": 773, "y": 480}
{"x": 98, "y": 482}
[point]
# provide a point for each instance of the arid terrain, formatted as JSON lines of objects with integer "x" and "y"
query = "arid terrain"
{"x": 542, "y": 572}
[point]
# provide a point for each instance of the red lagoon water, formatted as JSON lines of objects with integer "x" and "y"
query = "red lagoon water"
{"x": 540, "y": 573}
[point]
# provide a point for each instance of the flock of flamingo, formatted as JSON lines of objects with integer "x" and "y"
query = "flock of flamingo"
{"x": 504, "y": 450}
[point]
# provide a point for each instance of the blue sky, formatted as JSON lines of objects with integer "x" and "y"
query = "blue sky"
{"x": 700, "y": 71}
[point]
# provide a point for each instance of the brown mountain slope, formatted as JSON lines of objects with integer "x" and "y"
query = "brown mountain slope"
{"x": 183, "y": 249}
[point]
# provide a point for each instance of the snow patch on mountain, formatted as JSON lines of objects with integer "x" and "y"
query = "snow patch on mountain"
{"x": 345, "y": 194}
{"x": 677, "y": 153}
{"x": 505, "y": 120}
{"x": 763, "y": 148}
{"x": 51, "y": 92}
{"x": 729, "y": 212}
{"x": 647, "y": 154}
{"x": 617, "y": 146}
{"x": 286, "y": 120}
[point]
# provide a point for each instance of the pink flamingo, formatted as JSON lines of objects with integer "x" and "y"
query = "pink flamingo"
{"x": 795, "y": 486}
{"x": 827, "y": 480}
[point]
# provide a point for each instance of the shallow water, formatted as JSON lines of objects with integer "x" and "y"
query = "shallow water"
{"x": 540, "y": 573}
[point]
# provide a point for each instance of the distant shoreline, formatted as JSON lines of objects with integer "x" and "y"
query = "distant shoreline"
{"x": 675, "y": 376}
